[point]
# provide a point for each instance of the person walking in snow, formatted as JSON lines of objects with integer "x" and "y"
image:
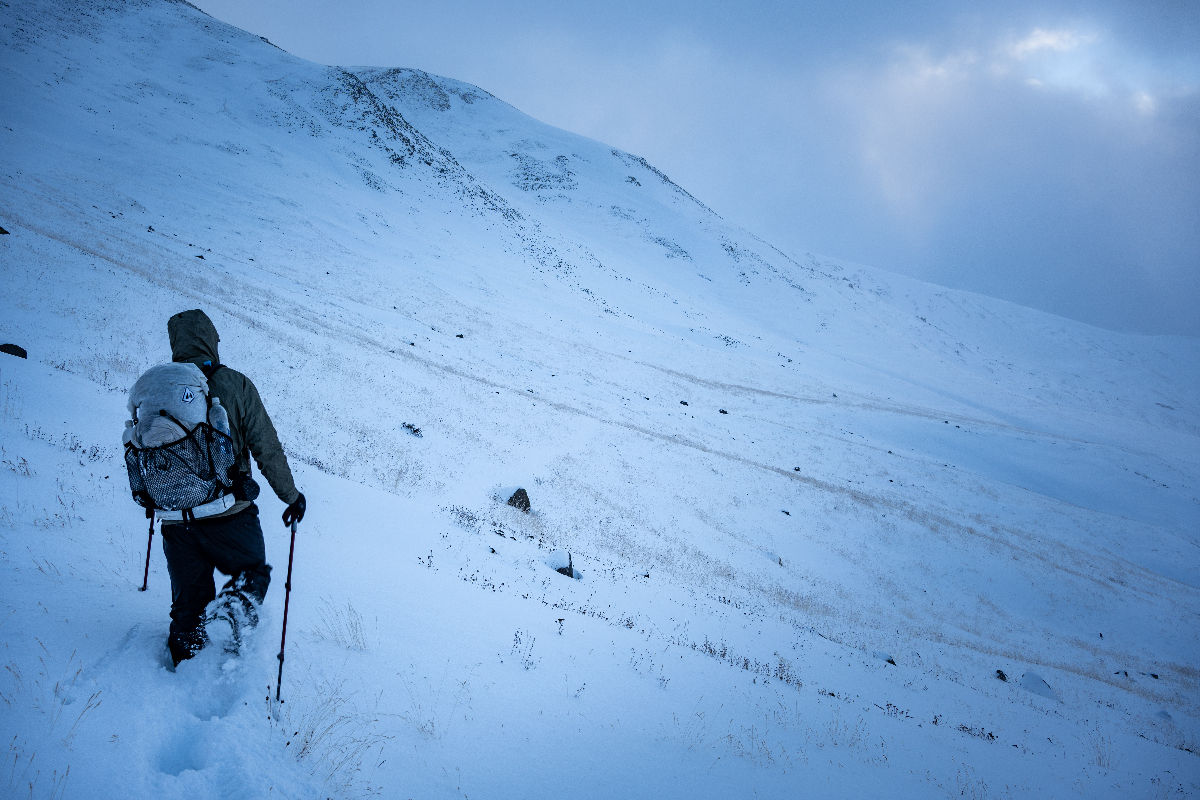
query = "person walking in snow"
{"x": 231, "y": 541}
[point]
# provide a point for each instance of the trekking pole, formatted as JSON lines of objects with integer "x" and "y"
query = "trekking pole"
{"x": 146, "y": 574}
{"x": 286, "y": 599}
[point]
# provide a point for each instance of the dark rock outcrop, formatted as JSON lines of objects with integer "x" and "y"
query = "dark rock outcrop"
{"x": 519, "y": 500}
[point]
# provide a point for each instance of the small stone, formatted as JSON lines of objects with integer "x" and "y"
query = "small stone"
{"x": 520, "y": 500}
{"x": 561, "y": 562}
{"x": 683, "y": 402}
{"x": 14, "y": 350}
{"x": 1000, "y": 674}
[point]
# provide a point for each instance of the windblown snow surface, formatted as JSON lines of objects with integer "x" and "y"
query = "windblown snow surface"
{"x": 814, "y": 508}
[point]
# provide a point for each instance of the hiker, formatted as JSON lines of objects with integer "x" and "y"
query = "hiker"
{"x": 223, "y": 533}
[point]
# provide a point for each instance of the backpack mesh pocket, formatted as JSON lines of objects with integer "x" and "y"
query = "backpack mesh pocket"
{"x": 186, "y": 473}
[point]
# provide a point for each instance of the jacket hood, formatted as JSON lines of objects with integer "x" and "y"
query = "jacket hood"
{"x": 193, "y": 338}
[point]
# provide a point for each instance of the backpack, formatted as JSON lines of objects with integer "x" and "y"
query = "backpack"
{"x": 178, "y": 450}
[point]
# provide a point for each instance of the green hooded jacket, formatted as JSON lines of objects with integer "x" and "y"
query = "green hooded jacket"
{"x": 194, "y": 338}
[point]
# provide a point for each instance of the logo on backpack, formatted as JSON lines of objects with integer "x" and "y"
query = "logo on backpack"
{"x": 188, "y": 396}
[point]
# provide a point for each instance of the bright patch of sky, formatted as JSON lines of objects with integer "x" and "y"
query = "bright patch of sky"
{"x": 1043, "y": 153}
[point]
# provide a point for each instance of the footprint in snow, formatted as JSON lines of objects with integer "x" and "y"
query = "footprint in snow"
{"x": 187, "y": 747}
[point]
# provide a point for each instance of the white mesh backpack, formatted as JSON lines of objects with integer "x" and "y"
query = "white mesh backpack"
{"x": 178, "y": 451}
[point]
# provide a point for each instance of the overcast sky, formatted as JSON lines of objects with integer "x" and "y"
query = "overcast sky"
{"x": 1045, "y": 153}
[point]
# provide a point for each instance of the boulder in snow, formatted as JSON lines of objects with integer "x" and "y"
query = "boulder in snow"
{"x": 13, "y": 350}
{"x": 514, "y": 496}
{"x": 561, "y": 562}
{"x": 1034, "y": 683}
{"x": 519, "y": 500}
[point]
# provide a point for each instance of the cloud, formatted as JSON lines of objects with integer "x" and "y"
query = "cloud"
{"x": 1039, "y": 40}
{"x": 1051, "y": 169}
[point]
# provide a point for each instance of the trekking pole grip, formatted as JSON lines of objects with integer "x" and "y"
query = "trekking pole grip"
{"x": 287, "y": 597}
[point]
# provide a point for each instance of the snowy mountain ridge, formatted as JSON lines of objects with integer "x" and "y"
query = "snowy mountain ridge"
{"x": 815, "y": 506}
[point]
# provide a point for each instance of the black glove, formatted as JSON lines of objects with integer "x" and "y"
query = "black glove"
{"x": 294, "y": 512}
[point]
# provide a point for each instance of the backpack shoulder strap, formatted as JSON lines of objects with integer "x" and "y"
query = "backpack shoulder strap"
{"x": 209, "y": 371}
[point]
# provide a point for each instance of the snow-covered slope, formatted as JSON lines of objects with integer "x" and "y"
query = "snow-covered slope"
{"x": 774, "y": 472}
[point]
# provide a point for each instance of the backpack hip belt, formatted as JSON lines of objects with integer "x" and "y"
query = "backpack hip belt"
{"x": 222, "y": 503}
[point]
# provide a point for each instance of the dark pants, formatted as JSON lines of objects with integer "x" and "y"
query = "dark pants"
{"x": 232, "y": 544}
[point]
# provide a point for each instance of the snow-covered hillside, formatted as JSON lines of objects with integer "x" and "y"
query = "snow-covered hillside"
{"x": 815, "y": 507}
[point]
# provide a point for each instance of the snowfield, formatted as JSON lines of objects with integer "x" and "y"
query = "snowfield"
{"x": 815, "y": 509}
